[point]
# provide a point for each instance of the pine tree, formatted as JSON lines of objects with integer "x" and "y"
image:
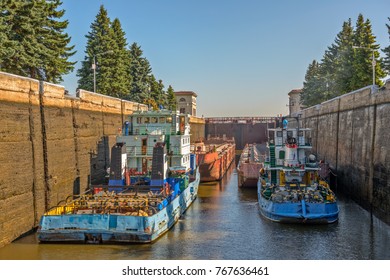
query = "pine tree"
{"x": 157, "y": 93}
{"x": 365, "y": 48}
{"x": 37, "y": 45}
{"x": 313, "y": 91}
{"x": 100, "y": 54}
{"x": 328, "y": 70}
{"x": 333, "y": 73}
{"x": 171, "y": 99}
{"x": 331, "y": 77}
{"x": 344, "y": 63}
{"x": 121, "y": 81}
{"x": 5, "y": 50}
{"x": 140, "y": 71}
{"x": 386, "y": 51}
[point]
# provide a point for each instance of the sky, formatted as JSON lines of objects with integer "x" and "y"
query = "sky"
{"x": 241, "y": 57}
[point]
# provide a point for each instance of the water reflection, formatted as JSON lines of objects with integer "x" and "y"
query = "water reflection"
{"x": 224, "y": 223}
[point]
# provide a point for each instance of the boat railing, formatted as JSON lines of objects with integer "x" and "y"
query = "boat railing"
{"x": 139, "y": 151}
{"x": 135, "y": 202}
{"x": 153, "y": 131}
{"x": 292, "y": 162}
{"x": 302, "y": 161}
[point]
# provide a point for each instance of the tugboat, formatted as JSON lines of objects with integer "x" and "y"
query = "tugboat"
{"x": 290, "y": 188}
{"x": 153, "y": 179}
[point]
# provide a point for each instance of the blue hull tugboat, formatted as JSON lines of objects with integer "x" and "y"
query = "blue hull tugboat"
{"x": 290, "y": 188}
{"x": 153, "y": 179}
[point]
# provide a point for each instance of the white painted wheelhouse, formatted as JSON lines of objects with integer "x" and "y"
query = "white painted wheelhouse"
{"x": 144, "y": 129}
{"x": 290, "y": 158}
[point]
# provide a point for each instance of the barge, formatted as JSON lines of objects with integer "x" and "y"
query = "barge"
{"x": 153, "y": 179}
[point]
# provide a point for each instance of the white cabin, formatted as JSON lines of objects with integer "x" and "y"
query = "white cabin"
{"x": 146, "y": 128}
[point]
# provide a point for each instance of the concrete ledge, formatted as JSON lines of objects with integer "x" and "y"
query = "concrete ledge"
{"x": 17, "y": 89}
{"x": 14, "y": 83}
{"x": 53, "y": 91}
{"x": 198, "y": 120}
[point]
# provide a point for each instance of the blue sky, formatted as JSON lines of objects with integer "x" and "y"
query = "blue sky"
{"x": 241, "y": 57}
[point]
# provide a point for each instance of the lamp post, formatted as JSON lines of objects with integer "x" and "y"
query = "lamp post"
{"x": 373, "y": 61}
{"x": 94, "y": 67}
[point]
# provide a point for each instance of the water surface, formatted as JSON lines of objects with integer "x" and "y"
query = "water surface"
{"x": 224, "y": 223}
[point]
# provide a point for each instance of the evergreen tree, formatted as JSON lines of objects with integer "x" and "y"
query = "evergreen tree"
{"x": 4, "y": 30}
{"x": 140, "y": 71}
{"x": 328, "y": 71}
{"x": 171, "y": 99}
{"x": 313, "y": 91}
{"x": 332, "y": 77}
{"x": 157, "y": 93}
{"x": 365, "y": 48}
{"x": 386, "y": 51}
{"x": 345, "y": 66}
{"x": 121, "y": 80}
{"x": 99, "y": 54}
{"x": 34, "y": 34}
{"x": 344, "y": 63}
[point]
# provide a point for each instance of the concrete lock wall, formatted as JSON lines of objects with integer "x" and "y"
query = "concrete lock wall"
{"x": 352, "y": 132}
{"x": 51, "y": 146}
{"x": 197, "y": 128}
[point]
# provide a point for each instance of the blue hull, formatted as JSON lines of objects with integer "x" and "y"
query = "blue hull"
{"x": 300, "y": 212}
{"x": 111, "y": 228}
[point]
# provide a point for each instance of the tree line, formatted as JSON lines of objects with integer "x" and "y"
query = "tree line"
{"x": 347, "y": 64}
{"x": 119, "y": 70}
{"x": 33, "y": 43}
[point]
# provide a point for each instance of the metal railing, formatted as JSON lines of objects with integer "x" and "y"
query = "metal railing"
{"x": 241, "y": 120}
{"x": 139, "y": 151}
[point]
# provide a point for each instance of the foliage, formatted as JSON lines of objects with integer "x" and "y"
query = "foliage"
{"x": 365, "y": 48}
{"x": 99, "y": 55}
{"x": 345, "y": 66}
{"x": 120, "y": 71}
{"x": 313, "y": 91}
{"x": 32, "y": 41}
{"x": 121, "y": 79}
{"x": 171, "y": 99}
{"x": 140, "y": 72}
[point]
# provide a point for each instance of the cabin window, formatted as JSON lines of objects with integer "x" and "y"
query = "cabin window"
{"x": 153, "y": 119}
{"x": 279, "y": 133}
{"x": 161, "y": 120}
{"x": 300, "y": 133}
{"x": 139, "y": 120}
{"x": 289, "y": 134}
{"x": 147, "y": 120}
{"x": 169, "y": 119}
